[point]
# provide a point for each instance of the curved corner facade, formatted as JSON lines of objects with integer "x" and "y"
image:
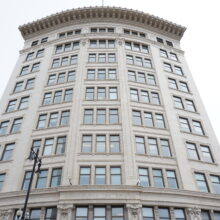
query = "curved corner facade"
{"x": 107, "y": 97}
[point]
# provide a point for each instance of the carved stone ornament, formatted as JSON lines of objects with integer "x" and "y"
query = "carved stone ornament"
{"x": 194, "y": 213}
{"x": 4, "y": 214}
{"x": 64, "y": 209}
{"x": 133, "y": 209}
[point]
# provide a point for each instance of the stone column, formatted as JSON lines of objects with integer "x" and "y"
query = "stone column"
{"x": 194, "y": 213}
{"x": 134, "y": 212}
{"x": 6, "y": 214}
{"x": 64, "y": 212}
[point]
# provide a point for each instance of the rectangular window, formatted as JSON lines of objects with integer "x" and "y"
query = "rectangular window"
{"x": 148, "y": 119}
{"x": 81, "y": 213}
{"x": 163, "y": 53}
{"x": 205, "y": 215}
{"x": 140, "y": 145}
{"x": 192, "y": 151}
{"x": 145, "y": 49}
{"x": 56, "y": 63}
{"x": 73, "y": 59}
{"x": 160, "y": 40}
{"x": 47, "y": 98}
{"x": 111, "y": 58}
{"x": 61, "y": 78}
{"x": 91, "y": 74}
{"x": 178, "y": 70}
{"x": 169, "y": 43}
{"x": 26, "y": 180}
{"x": 101, "y": 74}
{"x": 144, "y": 177}
{"x": 42, "y": 121}
{"x": 171, "y": 179}
{"x": 100, "y": 175}
{"x": 67, "y": 47}
{"x": 147, "y": 213}
{"x": 115, "y": 175}
{"x": 56, "y": 177}
{"x": 111, "y": 44}
{"x": 64, "y": 61}
{"x": 34, "y": 43}
{"x": 136, "y": 47}
{"x": 90, "y": 93}
{"x": 36, "y": 145}
{"x": 153, "y": 146}
{"x": 145, "y": 96}
{"x": 206, "y": 153}
{"x": 30, "y": 56}
{"x": 179, "y": 214}
{"x": 93, "y": 43}
{"x": 102, "y": 58}
{"x": 164, "y": 214}
{"x": 112, "y": 74}
{"x": 184, "y": 124}
{"x": 48, "y": 146}
{"x": 165, "y": 148}
{"x": 57, "y": 97}
{"x": 44, "y": 40}
{"x": 136, "y": 117}
{"x": 101, "y": 116}
{"x": 92, "y": 58}
{"x": 114, "y": 143}
{"x": 71, "y": 76}
{"x": 178, "y": 102}
{"x": 129, "y": 59}
{"x": 42, "y": 179}
{"x": 198, "y": 127}
{"x": 61, "y": 144}
{"x": 113, "y": 93}
{"x": 101, "y": 93}
{"x": 30, "y": 84}
{"x": 167, "y": 67}
{"x": 84, "y": 178}
{"x": 172, "y": 83}
{"x": 53, "y": 119}
{"x": 151, "y": 79}
{"x": 138, "y": 61}
{"x": 24, "y": 70}
{"x": 88, "y": 116}
{"x": 99, "y": 213}
{"x": 184, "y": 87}
{"x": 18, "y": 87}
{"x": 16, "y": 126}
{"x": 147, "y": 63}
{"x": 215, "y": 183}
{"x": 40, "y": 53}
{"x": 100, "y": 143}
{"x": 131, "y": 76}
{"x": 51, "y": 214}
{"x": 158, "y": 178}
{"x": 35, "y": 214}
{"x": 102, "y": 44}
{"x": 35, "y": 67}
{"x": 141, "y": 77}
{"x": 155, "y": 98}
{"x": 8, "y": 150}
{"x": 117, "y": 213}
{"x": 59, "y": 48}
{"x": 173, "y": 56}
{"x": 134, "y": 95}
{"x": 68, "y": 95}
{"x": 23, "y": 103}
{"x": 65, "y": 117}
{"x": 113, "y": 116}
{"x": 87, "y": 143}
{"x": 2, "y": 179}
{"x": 4, "y": 127}
{"x": 11, "y": 105}
{"x": 201, "y": 182}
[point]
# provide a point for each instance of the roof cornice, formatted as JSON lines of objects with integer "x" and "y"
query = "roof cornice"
{"x": 81, "y": 15}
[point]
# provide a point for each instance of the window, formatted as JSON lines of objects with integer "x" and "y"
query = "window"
{"x": 51, "y": 214}
{"x": 171, "y": 179}
{"x": 136, "y": 117}
{"x": 165, "y": 148}
{"x": 11, "y": 105}
{"x": 93, "y": 43}
{"x": 23, "y": 103}
{"x": 78, "y": 31}
{"x": 143, "y": 177}
{"x": 30, "y": 84}
{"x": 101, "y": 74}
{"x": 34, "y": 43}
{"x": 111, "y": 44}
{"x": 115, "y": 175}
{"x": 117, "y": 213}
{"x": 153, "y": 146}
{"x": 42, "y": 179}
{"x": 40, "y": 53}
{"x": 61, "y": 78}
{"x": 205, "y": 215}
{"x": 18, "y": 86}
{"x": 198, "y": 127}
{"x": 99, "y": 213}
{"x": 48, "y": 146}
{"x": 4, "y": 127}
{"x": 215, "y": 183}
{"x": 87, "y": 143}
{"x": 59, "y": 48}
{"x": 167, "y": 67}
{"x": 140, "y": 145}
{"x": 61, "y": 144}
{"x": 164, "y": 214}
{"x": 138, "y": 61}
{"x": 159, "y": 40}
{"x": 24, "y": 70}
{"x": 56, "y": 63}
{"x": 112, "y": 74}
{"x": 101, "y": 116}
{"x": 148, "y": 119}
{"x": 184, "y": 86}
{"x": 155, "y": 98}
{"x": 88, "y": 116}
{"x": 68, "y": 95}
{"x": 102, "y": 44}
{"x": 57, "y": 97}
{"x": 113, "y": 93}
{"x": 184, "y": 124}
{"x": 53, "y": 119}
{"x": 30, "y": 56}
{"x": 134, "y": 95}
{"x": 131, "y": 76}
{"x": 47, "y": 98}
{"x": 35, "y": 214}
{"x": 178, "y": 70}
{"x": 91, "y": 74}
{"x": 147, "y": 213}
{"x": 113, "y": 116}
{"x": 114, "y": 144}
{"x": 173, "y": 56}
{"x": 67, "y": 47}
{"x": 92, "y": 58}
{"x": 71, "y": 76}
{"x": 81, "y": 213}
{"x": 84, "y": 176}
{"x": 163, "y": 53}
{"x": 2, "y": 179}
{"x": 73, "y": 59}
{"x": 16, "y": 125}
{"x": 100, "y": 143}
{"x": 100, "y": 175}
{"x": 141, "y": 77}
{"x": 147, "y": 63}
{"x": 64, "y": 61}
{"x": 145, "y": 49}
{"x": 129, "y": 59}
{"x": 169, "y": 43}
{"x": 65, "y": 116}
{"x": 158, "y": 178}
{"x": 101, "y": 93}
{"x": 144, "y": 96}
{"x": 172, "y": 83}
{"x": 44, "y": 40}
{"x": 160, "y": 121}
{"x": 42, "y": 121}
{"x": 26, "y": 180}
{"x": 216, "y": 215}
{"x": 111, "y": 58}
{"x": 179, "y": 214}
{"x": 7, "y": 153}
{"x": 35, "y": 67}
{"x": 151, "y": 79}
{"x": 36, "y": 145}
{"x": 201, "y": 182}
{"x": 206, "y": 153}
{"x": 178, "y": 102}
{"x": 192, "y": 151}
{"x": 56, "y": 177}
{"x": 102, "y": 58}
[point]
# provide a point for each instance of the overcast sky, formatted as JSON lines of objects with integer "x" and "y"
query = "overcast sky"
{"x": 200, "y": 42}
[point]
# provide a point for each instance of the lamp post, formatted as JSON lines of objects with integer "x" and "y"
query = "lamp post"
{"x": 37, "y": 161}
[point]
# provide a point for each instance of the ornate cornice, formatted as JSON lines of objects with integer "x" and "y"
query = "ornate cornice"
{"x": 120, "y": 15}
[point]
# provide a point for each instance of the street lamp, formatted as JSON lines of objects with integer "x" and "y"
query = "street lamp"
{"x": 37, "y": 161}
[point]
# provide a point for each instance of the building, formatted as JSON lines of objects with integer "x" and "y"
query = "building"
{"x": 107, "y": 97}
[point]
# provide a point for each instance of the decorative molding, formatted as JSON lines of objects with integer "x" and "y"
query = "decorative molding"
{"x": 102, "y": 14}
{"x": 64, "y": 209}
{"x": 133, "y": 209}
{"x": 194, "y": 213}
{"x": 4, "y": 214}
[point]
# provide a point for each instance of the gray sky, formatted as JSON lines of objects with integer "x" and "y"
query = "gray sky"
{"x": 200, "y": 42}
